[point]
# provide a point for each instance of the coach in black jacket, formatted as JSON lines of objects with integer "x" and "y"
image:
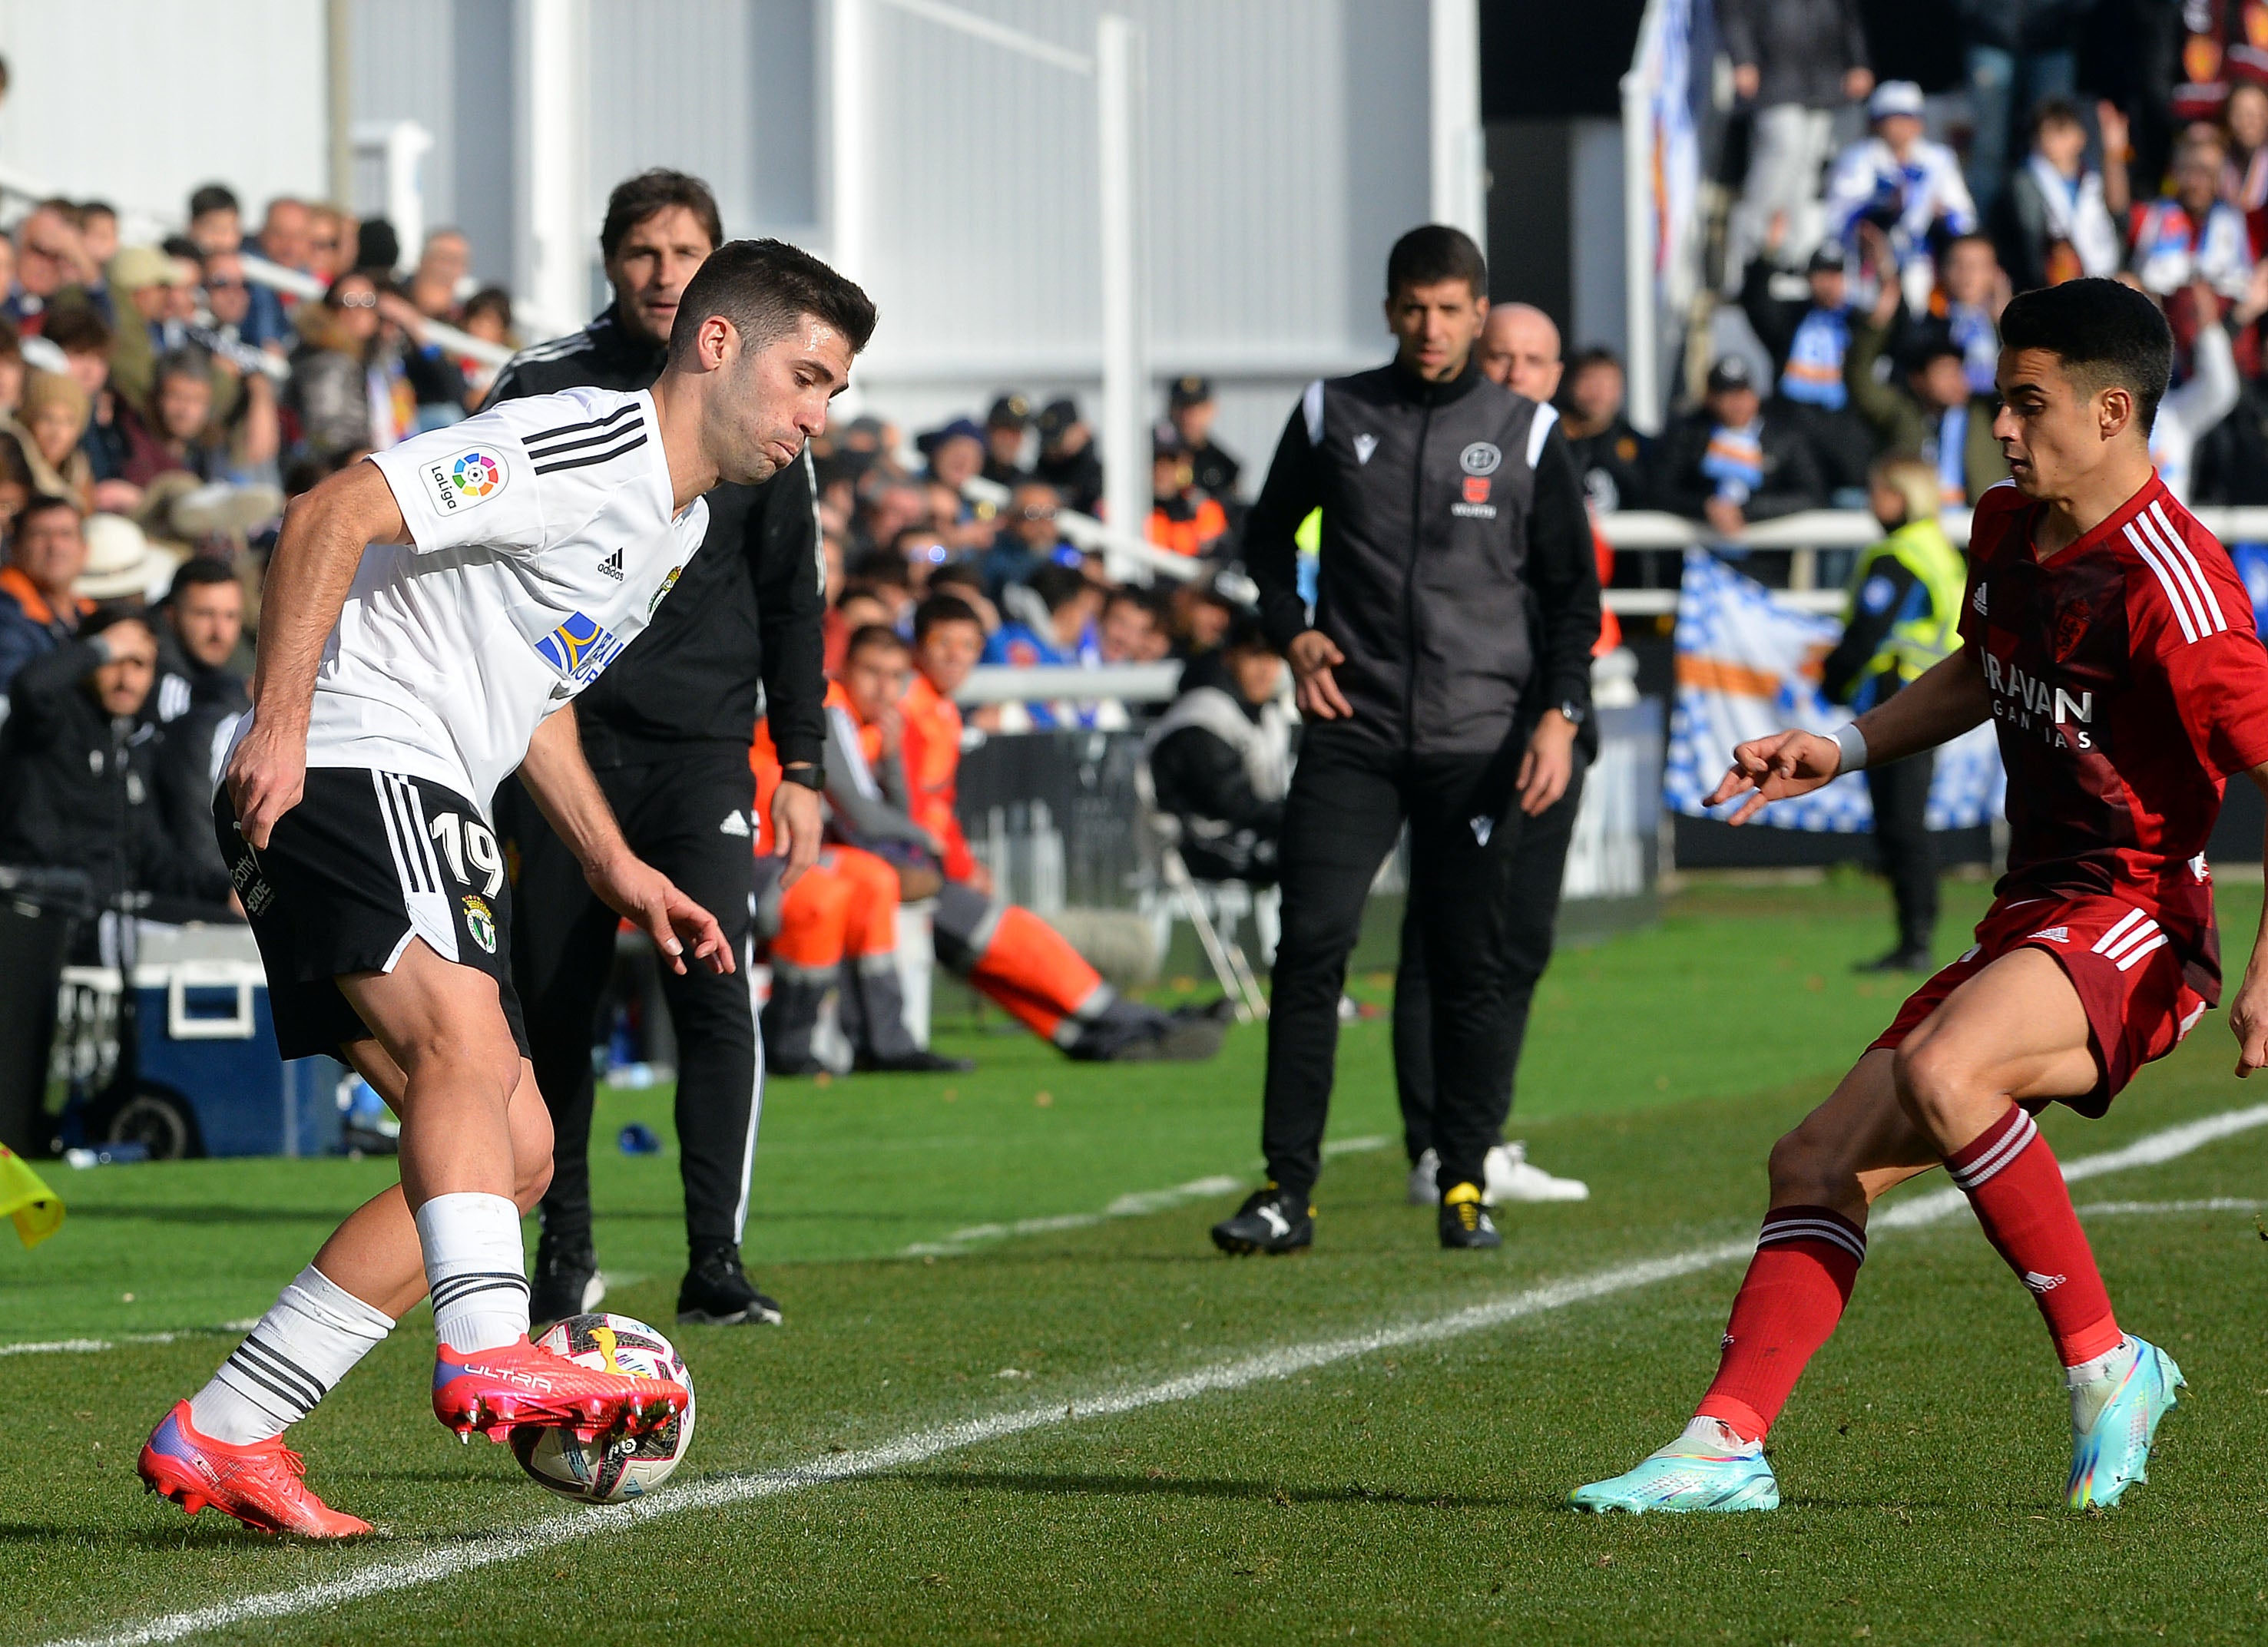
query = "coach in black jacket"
{"x": 667, "y": 729}
{"x": 1451, "y": 510}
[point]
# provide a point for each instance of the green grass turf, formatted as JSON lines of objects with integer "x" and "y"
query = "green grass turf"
{"x": 1411, "y": 1496}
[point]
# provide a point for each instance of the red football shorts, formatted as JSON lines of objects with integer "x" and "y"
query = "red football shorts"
{"x": 2131, "y": 978}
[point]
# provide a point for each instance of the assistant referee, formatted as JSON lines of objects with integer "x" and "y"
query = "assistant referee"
{"x": 1456, "y": 576}
{"x": 667, "y": 729}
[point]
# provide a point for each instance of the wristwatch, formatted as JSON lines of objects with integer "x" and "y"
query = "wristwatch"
{"x": 807, "y": 773}
{"x": 1575, "y": 713}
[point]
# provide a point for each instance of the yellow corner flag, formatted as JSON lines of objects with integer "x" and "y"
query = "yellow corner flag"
{"x": 36, "y": 1210}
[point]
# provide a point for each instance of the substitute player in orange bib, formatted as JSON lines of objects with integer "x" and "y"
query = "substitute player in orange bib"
{"x": 2111, "y": 644}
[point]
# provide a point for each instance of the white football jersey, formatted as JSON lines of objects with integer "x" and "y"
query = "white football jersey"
{"x": 543, "y": 540}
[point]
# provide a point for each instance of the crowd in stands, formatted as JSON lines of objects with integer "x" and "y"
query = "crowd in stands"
{"x": 1872, "y": 276}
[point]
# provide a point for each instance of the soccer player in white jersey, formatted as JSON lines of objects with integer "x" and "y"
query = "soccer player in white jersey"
{"x": 429, "y": 616}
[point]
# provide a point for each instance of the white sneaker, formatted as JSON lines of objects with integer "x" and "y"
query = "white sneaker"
{"x": 1424, "y": 1180}
{"x": 1512, "y": 1177}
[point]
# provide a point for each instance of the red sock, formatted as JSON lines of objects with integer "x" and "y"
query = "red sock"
{"x": 2013, "y": 1183}
{"x": 1807, "y": 1261}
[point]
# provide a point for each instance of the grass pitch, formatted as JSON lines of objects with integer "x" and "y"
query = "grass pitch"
{"x": 1412, "y": 1493}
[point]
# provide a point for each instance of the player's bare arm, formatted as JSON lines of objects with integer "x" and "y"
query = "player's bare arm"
{"x": 2248, "y": 1010}
{"x": 322, "y": 541}
{"x": 560, "y": 779}
{"x": 1944, "y": 703}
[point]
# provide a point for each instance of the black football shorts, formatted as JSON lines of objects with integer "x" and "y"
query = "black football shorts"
{"x": 365, "y": 863}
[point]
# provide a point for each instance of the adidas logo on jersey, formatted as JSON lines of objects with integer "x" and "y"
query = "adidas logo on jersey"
{"x": 2039, "y": 1282}
{"x": 1978, "y": 600}
{"x": 735, "y": 823}
{"x": 612, "y": 566}
{"x": 2050, "y": 935}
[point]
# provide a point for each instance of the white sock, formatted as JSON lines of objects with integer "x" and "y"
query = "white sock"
{"x": 2092, "y": 1383}
{"x": 1709, "y": 1434}
{"x": 308, "y": 1340}
{"x": 475, "y": 1268}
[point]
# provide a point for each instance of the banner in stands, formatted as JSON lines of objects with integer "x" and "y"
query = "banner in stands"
{"x": 1748, "y": 666}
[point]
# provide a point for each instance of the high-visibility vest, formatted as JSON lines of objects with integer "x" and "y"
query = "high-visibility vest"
{"x": 1927, "y": 629}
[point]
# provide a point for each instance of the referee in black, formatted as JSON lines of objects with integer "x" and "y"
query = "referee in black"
{"x": 666, "y": 729}
{"x": 1457, "y": 585}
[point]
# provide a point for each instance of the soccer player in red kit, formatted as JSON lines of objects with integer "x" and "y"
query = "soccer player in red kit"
{"x": 2111, "y": 644}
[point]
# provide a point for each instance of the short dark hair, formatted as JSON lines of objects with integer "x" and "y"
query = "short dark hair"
{"x": 214, "y": 197}
{"x": 197, "y": 571}
{"x": 1248, "y": 634}
{"x": 943, "y": 609}
{"x": 1058, "y": 586}
{"x": 491, "y": 298}
{"x": 2054, "y": 111}
{"x": 182, "y": 363}
{"x": 110, "y": 614}
{"x": 961, "y": 573}
{"x": 637, "y": 198}
{"x": 96, "y": 209}
{"x": 1434, "y": 252}
{"x": 870, "y": 635}
{"x": 76, "y": 329}
{"x": 761, "y": 287}
{"x": 2103, "y": 332}
{"x": 881, "y": 569}
{"x": 181, "y": 245}
{"x": 44, "y": 503}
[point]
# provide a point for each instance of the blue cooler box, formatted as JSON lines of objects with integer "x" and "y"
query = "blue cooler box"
{"x": 205, "y": 1035}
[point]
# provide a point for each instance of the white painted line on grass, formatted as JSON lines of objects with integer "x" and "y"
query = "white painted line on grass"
{"x": 2166, "y": 1209}
{"x": 1133, "y": 1206}
{"x": 722, "y": 1492}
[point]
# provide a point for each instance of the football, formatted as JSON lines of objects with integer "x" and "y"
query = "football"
{"x": 605, "y": 1472}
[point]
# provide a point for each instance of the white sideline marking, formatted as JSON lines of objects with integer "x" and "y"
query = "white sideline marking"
{"x": 1133, "y": 1206}
{"x": 724, "y": 1491}
{"x": 2162, "y": 1209}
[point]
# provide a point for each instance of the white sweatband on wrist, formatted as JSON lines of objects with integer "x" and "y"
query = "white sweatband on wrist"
{"x": 1852, "y": 743}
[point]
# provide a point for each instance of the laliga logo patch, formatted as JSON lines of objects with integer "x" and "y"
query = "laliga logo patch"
{"x": 467, "y": 480}
{"x": 1480, "y": 458}
{"x": 481, "y": 922}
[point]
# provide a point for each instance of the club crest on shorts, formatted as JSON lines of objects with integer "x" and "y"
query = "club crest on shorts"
{"x": 480, "y": 921}
{"x": 465, "y": 480}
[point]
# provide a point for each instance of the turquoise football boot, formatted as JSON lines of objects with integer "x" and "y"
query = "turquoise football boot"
{"x": 1707, "y": 1467}
{"x": 2113, "y": 1422}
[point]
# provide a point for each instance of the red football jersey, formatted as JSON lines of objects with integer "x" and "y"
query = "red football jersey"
{"x": 2127, "y": 684}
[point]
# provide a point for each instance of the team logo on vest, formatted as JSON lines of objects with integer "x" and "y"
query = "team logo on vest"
{"x": 667, "y": 584}
{"x": 481, "y": 922}
{"x": 579, "y": 649}
{"x": 1480, "y": 458}
{"x": 467, "y": 479}
{"x": 1364, "y": 446}
{"x": 1476, "y": 489}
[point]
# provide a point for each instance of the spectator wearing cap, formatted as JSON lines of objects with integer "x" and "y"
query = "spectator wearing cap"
{"x": 2058, "y": 217}
{"x": 1610, "y": 453}
{"x": 1182, "y": 518}
{"x": 1005, "y": 427}
{"x": 1903, "y": 185}
{"x": 1033, "y": 538}
{"x": 143, "y": 280}
{"x": 1192, "y": 408}
{"x": 1067, "y": 460}
{"x": 39, "y": 608}
{"x": 1795, "y": 63}
{"x": 123, "y": 568}
{"x": 1805, "y": 326}
{"x": 1727, "y": 463}
{"x": 956, "y": 457}
{"x": 51, "y": 419}
{"x": 1931, "y": 412}
{"x": 2191, "y": 233}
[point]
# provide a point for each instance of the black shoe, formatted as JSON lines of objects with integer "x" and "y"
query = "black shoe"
{"x": 566, "y": 1282}
{"x": 717, "y": 1292}
{"x": 1271, "y": 1221}
{"x": 1465, "y": 1221}
{"x": 1188, "y": 1034}
{"x": 1901, "y": 960}
{"x": 919, "y": 1061}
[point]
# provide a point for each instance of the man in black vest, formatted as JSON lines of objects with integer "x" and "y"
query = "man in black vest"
{"x": 1457, "y": 584}
{"x": 666, "y": 729}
